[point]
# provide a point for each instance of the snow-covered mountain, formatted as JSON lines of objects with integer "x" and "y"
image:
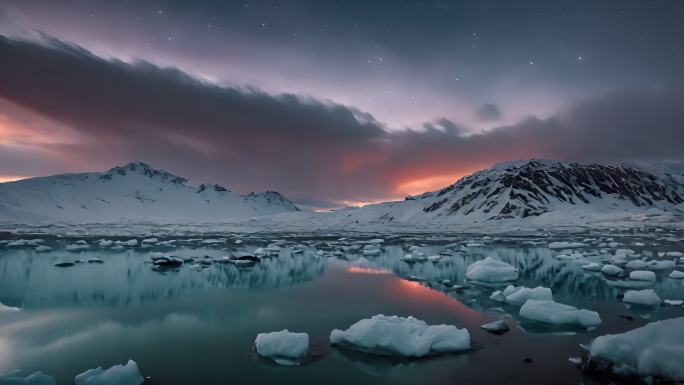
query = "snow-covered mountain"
{"x": 535, "y": 190}
{"x": 134, "y": 192}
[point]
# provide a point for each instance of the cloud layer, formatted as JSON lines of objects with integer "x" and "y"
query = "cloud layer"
{"x": 317, "y": 152}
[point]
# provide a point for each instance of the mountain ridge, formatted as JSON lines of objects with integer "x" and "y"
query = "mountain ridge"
{"x": 135, "y": 191}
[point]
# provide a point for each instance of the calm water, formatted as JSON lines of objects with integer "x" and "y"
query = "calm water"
{"x": 198, "y": 327}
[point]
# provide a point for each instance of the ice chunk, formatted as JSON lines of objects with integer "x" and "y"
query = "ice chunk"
{"x": 593, "y": 266}
{"x": 283, "y": 347}
{"x": 498, "y": 296}
{"x": 491, "y": 270}
{"x": 518, "y": 295}
{"x": 661, "y": 265}
{"x": 105, "y": 243}
{"x": 646, "y": 297}
{"x": 676, "y": 274}
{"x": 399, "y": 336}
{"x": 131, "y": 242}
{"x": 636, "y": 264}
{"x": 496, "y": 327}
{"x": 652, "y": 350}
{"x": 611, "y": 270}
{"x": 642, "y": 275}
{"x": 559, "y": 314}
{"x": 627, "y": 284}
{"x": 17, "y": 378}
{"x": 565, "y": 245}
{"x": 116, "y": 375}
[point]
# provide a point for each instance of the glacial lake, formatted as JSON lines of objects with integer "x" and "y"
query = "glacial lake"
{"x": 196, "y": 324}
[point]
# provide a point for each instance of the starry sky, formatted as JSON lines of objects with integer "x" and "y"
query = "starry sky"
{"x": 336, "y": 102}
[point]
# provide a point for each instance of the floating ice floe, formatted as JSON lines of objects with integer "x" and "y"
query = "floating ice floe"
{"x": 673, "y": 302}
{"x": 17, "y": 378}
{"x": 400, "y": 336}
{"x": 167, "y": 261}
{"x": 642, "y": 275}
{"x": 116, "y": 375}
{"x": 496, "y": 327}
{"x": 25, "y": 242}
{"x": 518, "y": 295}
{"x": 611, "y": 270}
{"x": 646, "y": 297}
{"x": 661, "y": 265}
{"x": 593, "y": 266}
{"x": 630, "y": 284}
{"x": 105, "y": 243}
{"x": 570, "y": 257}
{"x": 565, "y": 245}
{"x": 559, "y": 314}
{"x": 491, "y": 270}
{"x": 283, "y": 347}
{"x": 654, "y": 350}
{"x": 636, "y": 264}
{"x": 43, "y": 248}
{"x": 77, "y": 246}
{"x": 676, "y": 274}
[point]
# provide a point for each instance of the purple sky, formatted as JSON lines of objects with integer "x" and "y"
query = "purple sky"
{"x": 335, "y": 102}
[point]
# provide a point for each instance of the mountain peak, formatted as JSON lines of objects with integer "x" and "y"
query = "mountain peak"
{"x": 142, "y": 168}
{"x": 532, "y": 162}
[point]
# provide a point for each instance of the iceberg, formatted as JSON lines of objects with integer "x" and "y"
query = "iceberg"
{"x": 611, "y": 270}
{"x": 496, "y": 327}
{"x": 491, "y": 270}
{"x": 593, "y": 266}
{"x": 559, "y": 314}
{"x": 401, "y": 336}
{"x": 283, "y": 347}
{"x": 642, "y": 275}
{"x": 518, "y": 295}
{"x": 646, "y": 297}
{"x": 654, "y": 350}
{"x": 676, "y": 274}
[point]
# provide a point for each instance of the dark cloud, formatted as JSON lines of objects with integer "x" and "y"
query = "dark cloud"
{"x": 316, "y": 152}
{"x": 489, "y": 113}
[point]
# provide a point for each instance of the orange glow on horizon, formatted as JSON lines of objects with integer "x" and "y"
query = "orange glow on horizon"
{"x": 432, "y": 183}
{"x": 11, "y": 178}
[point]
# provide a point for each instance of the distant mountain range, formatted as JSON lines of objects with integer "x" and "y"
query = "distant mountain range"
{"x": 134, "y": 192}
{"x": 534, "y": 190}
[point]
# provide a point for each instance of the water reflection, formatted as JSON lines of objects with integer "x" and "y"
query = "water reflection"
{"x": 197, "y": 325}
{"x": 30, "y": 279}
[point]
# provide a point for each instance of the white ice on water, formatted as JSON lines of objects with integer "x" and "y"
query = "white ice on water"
{"x": 518, "y": 295}
{"x": 646, "y": 297}
{"x": 559, "y": 314}
{"x": 401, "y": 336}
{"x": 652, "y": 350}
{"x": 491, "y": 270}
{"x": 283, "y": 347}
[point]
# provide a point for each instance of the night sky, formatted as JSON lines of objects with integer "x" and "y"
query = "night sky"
{"x": 336, "y": 102}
